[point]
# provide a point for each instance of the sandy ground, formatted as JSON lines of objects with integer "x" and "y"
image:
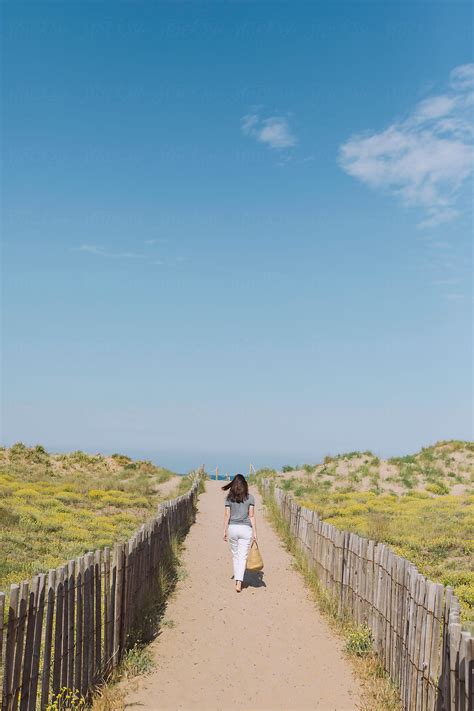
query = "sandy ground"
{"x": 339, "y": 473}
{"x": 264, "y": 648}
{"x": 169, "y": 486}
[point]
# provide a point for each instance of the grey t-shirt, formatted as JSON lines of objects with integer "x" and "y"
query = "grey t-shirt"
{"x": 239, "y": 512}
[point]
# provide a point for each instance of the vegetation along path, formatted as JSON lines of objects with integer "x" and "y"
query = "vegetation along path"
{"x": 265, "y": 648}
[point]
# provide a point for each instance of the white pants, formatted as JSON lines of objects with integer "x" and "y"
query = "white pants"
{"x": 240, "y": 538}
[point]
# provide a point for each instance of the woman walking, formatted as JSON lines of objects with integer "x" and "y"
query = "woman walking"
{"x": 239, "y": 524}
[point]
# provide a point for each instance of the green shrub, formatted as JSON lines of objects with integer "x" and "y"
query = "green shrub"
{"x": 438, "y": 488}
{"x": 427, "y": 454}
{"x": 266, "y": 473}
{"x": 18, "y": 451}
{"x": 408, "y": 459}
{"x": 137, "y": 661}
{"x": 121, "y": 458}
{"x": 359, "y": 641}
{"x": 67, "y": 700}
{"x": 407, "y": 476}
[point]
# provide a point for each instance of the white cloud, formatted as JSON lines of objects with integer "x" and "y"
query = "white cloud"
{"x": 248, "y": 123}
{"x": 100, "y": 251}
{"x": 92, "y": 248}
{"x": 151, "y": 242}
{"x": 434, "y": 108}
{"x": 274, "y": 131}
{"x": 462, "y": 77}
{"x": 423, "y": 160}
{"x": 105, "y": 253}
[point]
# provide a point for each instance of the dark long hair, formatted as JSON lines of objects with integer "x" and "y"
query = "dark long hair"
{"x": 238, "y": 489}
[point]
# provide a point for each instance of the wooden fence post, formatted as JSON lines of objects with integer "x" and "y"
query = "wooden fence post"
{"x": 78, "y": 683}
{"x": 8, "y": 665}
{"x": 20, "y": 641}
{"x": 28, "y": 655}
{"x": 48, "y": 639}
{"x": 98, "y": 657}
{"x": 36, "y": 653}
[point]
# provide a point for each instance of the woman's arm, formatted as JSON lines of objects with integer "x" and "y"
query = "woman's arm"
{"x": 253, "y": 521}
{"x": 226, "y": 520}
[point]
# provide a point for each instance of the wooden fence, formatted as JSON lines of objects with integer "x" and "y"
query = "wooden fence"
{"x": 70, "y": 627}
{"x": 414, "y": 622}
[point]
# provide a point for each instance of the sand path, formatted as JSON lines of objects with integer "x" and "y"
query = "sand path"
{"x": 264, "y": 648}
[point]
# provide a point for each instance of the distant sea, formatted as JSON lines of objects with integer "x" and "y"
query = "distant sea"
{"x": 184, "y": 462}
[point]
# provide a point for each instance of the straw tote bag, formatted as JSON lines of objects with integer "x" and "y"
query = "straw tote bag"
{"x": 254, "y": 559}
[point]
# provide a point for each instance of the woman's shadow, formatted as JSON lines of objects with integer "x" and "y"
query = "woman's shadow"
{"x": 253, "y": 579}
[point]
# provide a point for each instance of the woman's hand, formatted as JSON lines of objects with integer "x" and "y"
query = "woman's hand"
{"x": 225, "y": 534}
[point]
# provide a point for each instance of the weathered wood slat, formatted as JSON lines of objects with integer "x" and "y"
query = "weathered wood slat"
{"x": 65, "y": 631}
{"x": 112, "y": 597}
{"x": 98, "y": 657}
{"x": 434, "y": 653}
{"x": 71, "y": 620}
{"x": 2, "y": 617}
{"x": 127, "y": 584}
{"x": 2, "y": 632}
{"x": 9, "y": 660}
{"x": 86, "y": 625}
{"x": 20, "y": 641}
{"x": 91, "y": 619}
{"x": 119, "y": 572}
{"x": 29, "y": 638}
{"x": 48, "y": 639}
{"x": 38, "y": 633}
{"x": 79, "y": 625}
{"x": 107, "y": 611}
{"x": 58, "y": 630}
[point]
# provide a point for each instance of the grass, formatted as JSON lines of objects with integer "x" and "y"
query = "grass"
{"x": 378, "y": 692}
{"x": 359, "y": 641}
{"x": 422, "y": 520}
{"x": 67, "y": 700}
{"x": 57, "y": 507}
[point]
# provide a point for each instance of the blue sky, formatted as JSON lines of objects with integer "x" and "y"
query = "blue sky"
{"x": 237, "y": 232}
